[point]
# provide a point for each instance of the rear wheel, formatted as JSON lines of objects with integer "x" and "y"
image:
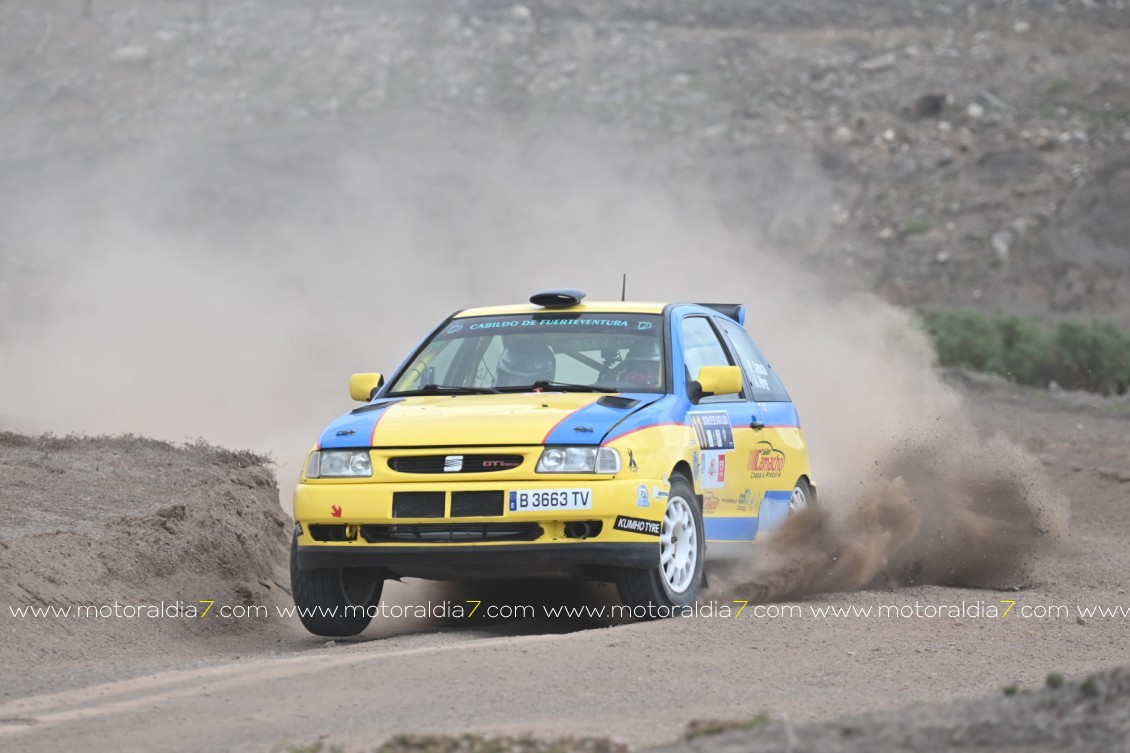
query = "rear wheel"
{"x": 334, "y": 601}
{"x": 676, "y": 581}
{"x": 804, "y": 497}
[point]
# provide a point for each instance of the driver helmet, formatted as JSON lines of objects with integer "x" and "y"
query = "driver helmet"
{"x": 523, "y": 363}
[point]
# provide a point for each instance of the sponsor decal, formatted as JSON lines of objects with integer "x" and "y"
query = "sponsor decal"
{"x": 745, "y": 502}
{"x": 454, "y": 328}
{"x": 346, "y": 433}
{"x": 642, "y": 498}
{"x": 713, "y": 430}
{"x": 758, "y": 374}
{"x": 694, "y": 465}
{"x": 453, "y": 464}
{"x": 636, "y": 525}
{"x": 660, "y": 493}
{"x": 632, "y": 461}
{"x": 713, "y": 472}
{"x": 335, "y": 511}
{"x": 541, "y": 322}
{"x": 643, "y": 325}
{"x": 586, "y": 429}
{"x": 496, "y": 464}
{"x": 709, "y": 503}
{"x": 765, "y": 461}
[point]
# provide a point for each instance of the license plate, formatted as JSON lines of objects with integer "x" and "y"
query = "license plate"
{"x": 551, "y": 499}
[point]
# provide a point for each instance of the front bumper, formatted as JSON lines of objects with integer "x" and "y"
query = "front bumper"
{"x": 367, "y": 532}
{"x": 572, "y": 560}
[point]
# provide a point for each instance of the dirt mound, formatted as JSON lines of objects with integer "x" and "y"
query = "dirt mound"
{"x": 116, "y": 541}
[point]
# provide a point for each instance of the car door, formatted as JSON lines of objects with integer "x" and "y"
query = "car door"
{"x": 721, "y": 426}
{"x": 777, "y": 457}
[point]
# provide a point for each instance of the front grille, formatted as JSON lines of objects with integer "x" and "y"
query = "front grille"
{"x": 476, "y": 504}
{"x": 417, "y": 504}
{"x": 454, "y": 463}
{"x": 429, "y": 533}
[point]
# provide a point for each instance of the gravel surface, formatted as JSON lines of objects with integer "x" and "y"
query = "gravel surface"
{"x": 264, "y": 683}
{"x": 211, "y": 211}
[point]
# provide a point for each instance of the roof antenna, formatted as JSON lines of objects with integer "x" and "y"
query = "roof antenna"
{"x": 624, "y": 288}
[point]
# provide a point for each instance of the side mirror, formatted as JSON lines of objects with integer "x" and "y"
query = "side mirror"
{"x": 362, "y": 387}
{"x": 716, "y": 380}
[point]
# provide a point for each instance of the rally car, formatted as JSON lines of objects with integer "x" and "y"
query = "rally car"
{"x": 555, "y": 439}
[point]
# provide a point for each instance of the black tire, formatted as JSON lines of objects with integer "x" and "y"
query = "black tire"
{"x": 659, "y": 591}
{"x": 323, "y": 595}
{"x": 804, "y": 497}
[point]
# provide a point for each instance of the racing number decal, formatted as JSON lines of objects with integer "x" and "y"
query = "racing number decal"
{"x": 715, "y": 437}
{"x": 713, "y": 430}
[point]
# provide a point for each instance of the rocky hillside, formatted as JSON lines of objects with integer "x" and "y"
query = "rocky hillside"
{"x": 940, "y": 153}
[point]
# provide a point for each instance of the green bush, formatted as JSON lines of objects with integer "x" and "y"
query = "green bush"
{"x": 1027, "y": 352}
{"x": 964, "y": 338}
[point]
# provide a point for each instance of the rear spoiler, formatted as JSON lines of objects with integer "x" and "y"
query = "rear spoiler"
{"x": 735, "y": 311}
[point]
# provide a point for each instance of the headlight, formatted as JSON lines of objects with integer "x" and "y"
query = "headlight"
{"x": 339, "y": 464}
{"x": 579, "y": 460}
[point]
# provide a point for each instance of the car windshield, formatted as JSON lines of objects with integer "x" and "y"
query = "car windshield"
{"x": 545, "y": 351}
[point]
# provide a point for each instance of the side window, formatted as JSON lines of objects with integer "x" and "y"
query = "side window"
{"x": 767, "y": 388}
{"x": 701, "y": 347}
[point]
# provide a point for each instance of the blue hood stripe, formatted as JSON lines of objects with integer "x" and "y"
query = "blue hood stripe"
{"x": 354, "y": 429}
{"x": 597, "y": 421}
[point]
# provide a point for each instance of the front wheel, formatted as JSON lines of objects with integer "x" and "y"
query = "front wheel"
{"x": 676, "y": 581}
{"x": 334, "y": 601}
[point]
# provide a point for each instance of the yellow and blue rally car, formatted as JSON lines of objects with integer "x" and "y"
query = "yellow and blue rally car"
{"x": 559, "y": 439}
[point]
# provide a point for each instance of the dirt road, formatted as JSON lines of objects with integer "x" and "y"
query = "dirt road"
{"x": 192, "y": 194}
{"x": 249, "y": 688}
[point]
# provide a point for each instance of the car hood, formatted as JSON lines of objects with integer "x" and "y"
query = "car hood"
{"x": 495, "y": 420}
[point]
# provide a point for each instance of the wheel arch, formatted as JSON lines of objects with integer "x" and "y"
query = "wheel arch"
{"x": 683, "y": 468}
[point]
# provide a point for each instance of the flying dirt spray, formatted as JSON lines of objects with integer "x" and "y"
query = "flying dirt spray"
{"x": 226, "y": 288}
{"x": 911, "y": 492}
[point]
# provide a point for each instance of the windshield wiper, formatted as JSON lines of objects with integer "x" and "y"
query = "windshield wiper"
{"x": 544, "y": 385}
{"x": 443, "y": 389}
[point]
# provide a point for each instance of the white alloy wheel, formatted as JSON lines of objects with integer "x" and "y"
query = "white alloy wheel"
{"x": 678, "y": 545}
{"x": 799, "y": 501}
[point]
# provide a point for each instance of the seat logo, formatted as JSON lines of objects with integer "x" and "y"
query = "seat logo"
{"x": 453, "y": 464}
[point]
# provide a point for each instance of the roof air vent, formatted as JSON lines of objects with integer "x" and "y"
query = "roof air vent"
{"x": 557, "y": 299}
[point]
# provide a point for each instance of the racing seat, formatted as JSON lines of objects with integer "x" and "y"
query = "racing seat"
{"x": 642, "y": 367}
{"x": 638, "y": 372}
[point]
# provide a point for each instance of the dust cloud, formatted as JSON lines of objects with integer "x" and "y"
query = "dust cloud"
{"x": 223, "y": 286}
{"x": 909, "y": 492}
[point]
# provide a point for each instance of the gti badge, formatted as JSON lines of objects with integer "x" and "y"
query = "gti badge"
{"x": 453, "y": 464}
